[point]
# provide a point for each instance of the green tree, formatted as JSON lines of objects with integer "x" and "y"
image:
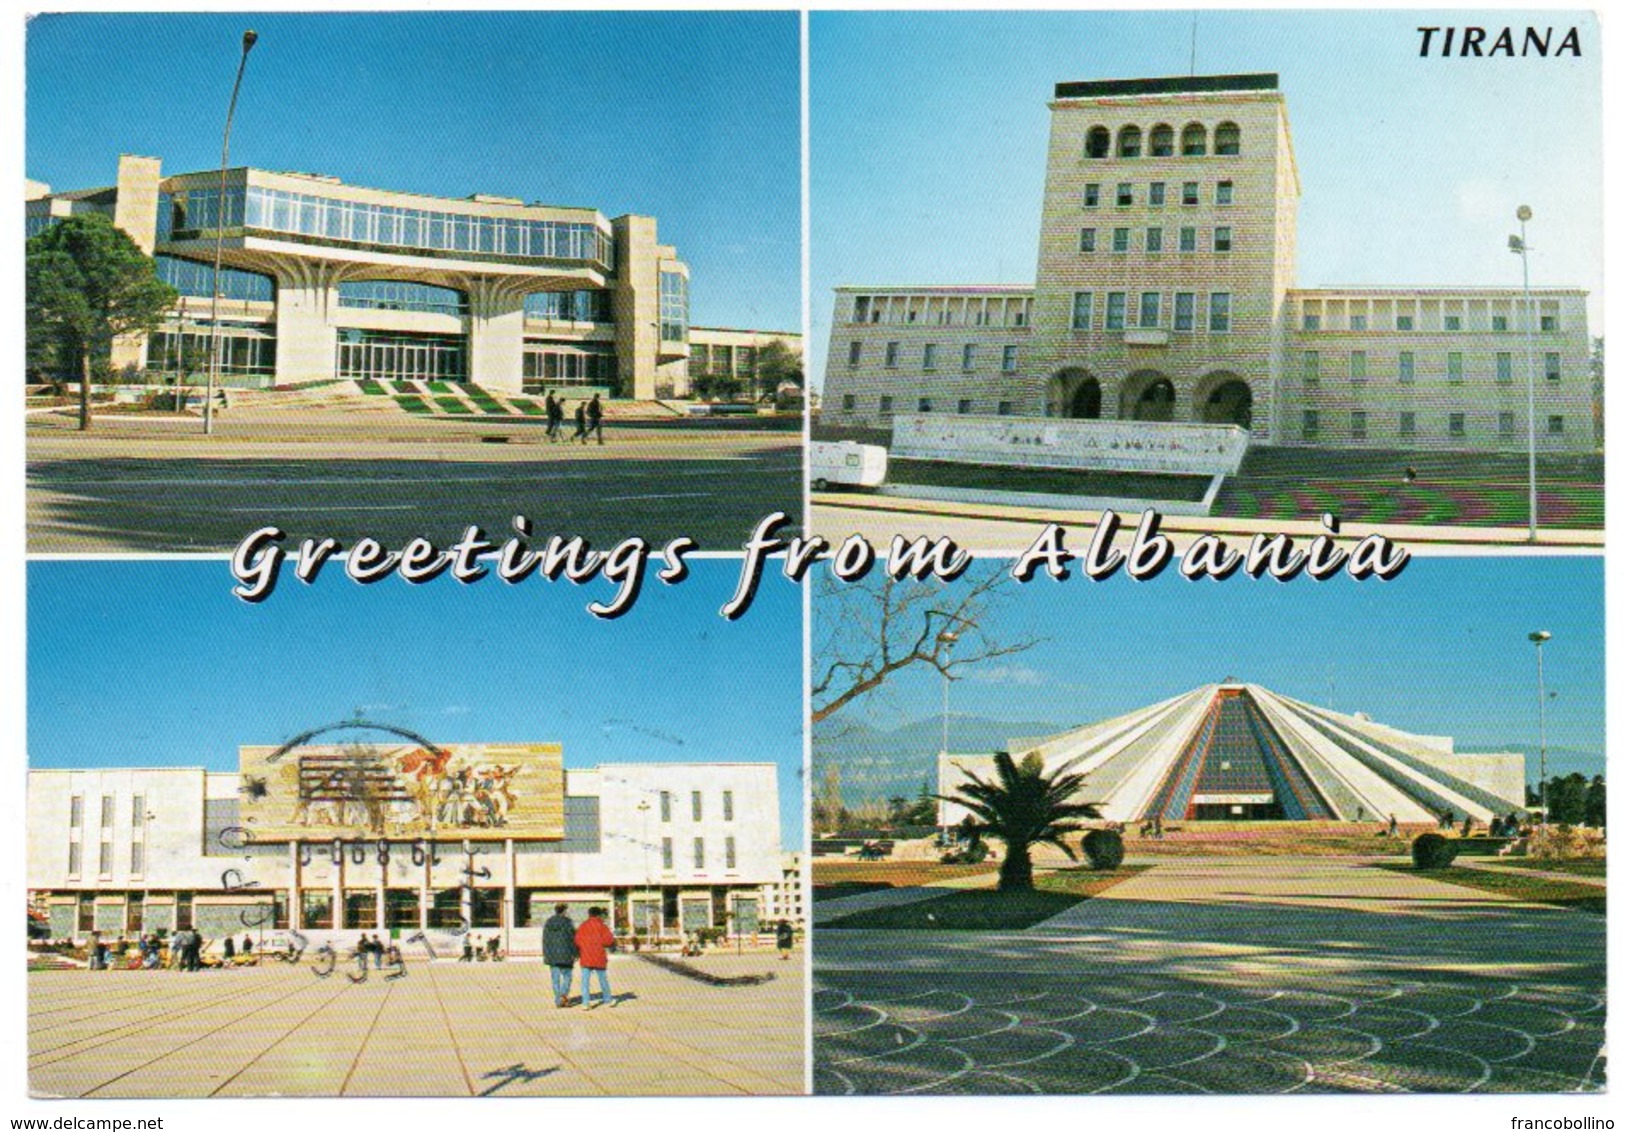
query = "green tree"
{"x": 777, "y": 363}
{"x": 1566, "y": 799}
{"x": 87, "y": 284}
{"x": 1023, "y": 806}
{"x": 1596, "y": 811}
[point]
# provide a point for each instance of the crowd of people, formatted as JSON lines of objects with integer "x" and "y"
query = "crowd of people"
{"x": 589, "y": 417}
{"x": 185, "y": 950}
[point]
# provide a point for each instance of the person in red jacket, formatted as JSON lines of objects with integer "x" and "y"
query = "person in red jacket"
{"x": 593, "y": 939}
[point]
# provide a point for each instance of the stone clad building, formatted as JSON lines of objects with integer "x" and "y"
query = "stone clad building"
{"x": 325, "y": 280}
{"x": 1166, "y": 290}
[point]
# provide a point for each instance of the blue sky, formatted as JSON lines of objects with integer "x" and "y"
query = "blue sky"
{"x": 1442, "y": 649}
{"x": 929, "y": 133}
{"x": 156, "y": 664}
{"x": 691, "y": 117}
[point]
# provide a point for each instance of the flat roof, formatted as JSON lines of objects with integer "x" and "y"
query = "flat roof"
{"x": 1181, "y": 84}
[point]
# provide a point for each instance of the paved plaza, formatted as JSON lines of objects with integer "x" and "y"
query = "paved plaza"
{"x": 444, "y": 1029}
{"x": 160, "y": 486}
{"x": 1225, "y": 975}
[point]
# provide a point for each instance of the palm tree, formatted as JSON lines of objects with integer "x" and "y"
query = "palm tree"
{"x": 1023, "y": 806}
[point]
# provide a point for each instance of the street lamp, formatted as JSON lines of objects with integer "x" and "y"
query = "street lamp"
{"x": 249, "y": 39}
{"x": 1519, "y": 245}
{"x": 1540, "y": 637}
{"x": 947, "y": 638}
{"x": 643, "y": 809}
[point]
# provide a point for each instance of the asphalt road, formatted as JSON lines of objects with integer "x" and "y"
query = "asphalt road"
{"x": 146, "y": 490}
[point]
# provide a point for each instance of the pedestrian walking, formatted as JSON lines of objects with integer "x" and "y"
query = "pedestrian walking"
{"x": 593, "y": 941}
{"x": 559, "y": 952}
{"x": 555, "y": 416}
{"x": 248, "y": 945}
{"x": 786, "y": 938}
{"x": 229, "y": 949}
{"x": 595, "y": 420}
{"x": 1393, "y": 826}
{"x": 581, "y": 423}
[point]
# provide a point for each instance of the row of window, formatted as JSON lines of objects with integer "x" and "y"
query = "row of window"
{"x": 668, "y": 856}
{"x": 1148, "y": 313}
{"x": 965, "y": 406}
{"x": 194, "y": 211}
{"x": 1455, "y": 367}
{"x": 571, "y": 306}
{"x": 877, "y": 309}
{"x": 1499, "y": 324}
{"x": 673, "y": 307}
{"x": 1160, "y": 142}
{"x": 104, "y": 859}
{"x": 551, "y": 364}
{"x": 697, "y": 805}
{"x": 1190, "y": 193}
{"x": 1220, "y": 240}
{"x": 76, "y": 811}
{"x": 1455, "y": 425}
{"x": 1009, "y": 357}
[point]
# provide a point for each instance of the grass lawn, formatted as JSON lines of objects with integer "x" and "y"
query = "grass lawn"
{"x": 1535, "y": 890}
{"x": 989, "y": 909}
{"x": 1580, "y": 867}
{"x": 411, "y": 403}
{"x": 453, "y": 404}
{"x": 368, "y": 385}
{"x": 529, "y": 408}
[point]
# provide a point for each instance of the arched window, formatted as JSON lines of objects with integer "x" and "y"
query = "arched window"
{"x": 1193, "y": 141}
{"x": 1162, "y": 141}
{"x": 1227, "y": 139}
{"x": 1128, "y": 141}
{"x": 1098, "y": 143}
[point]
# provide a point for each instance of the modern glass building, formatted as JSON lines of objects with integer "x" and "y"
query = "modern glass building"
{"x": 324, "y": 280}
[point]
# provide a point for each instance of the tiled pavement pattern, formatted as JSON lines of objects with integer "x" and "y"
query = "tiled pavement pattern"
{"x": 1236, "y": 976}
{"x": 442, "y": 1030}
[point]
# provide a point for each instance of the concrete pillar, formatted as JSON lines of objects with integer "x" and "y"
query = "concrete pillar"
{"x": 496, "y": 335}
{"x": 425, "y": 890}
{"x": 295, "y": 900}
{"x": 637, "y": 304}
{"x": 135, "y": 212}
{"x": 510, "y": 895}
{"x": 338, "y": 893}
{"x": 306, "y": 333}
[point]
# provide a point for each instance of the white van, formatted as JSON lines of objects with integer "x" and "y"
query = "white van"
{"x": 846, "y": 463}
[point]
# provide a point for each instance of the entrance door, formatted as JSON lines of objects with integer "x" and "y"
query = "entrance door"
{"x": 1085, "y": 404}
{"x": 1230, "y": 403}
{"x": 1156, "y": 402}
{"x": 747, "y": 915}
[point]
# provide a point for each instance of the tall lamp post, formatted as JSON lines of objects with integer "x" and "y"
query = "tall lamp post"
{"x": 1519, "y": 245}
{"x": 249, "y": 39}
{"x": 1540, "y": 637}
{"x": 946, "y": 638}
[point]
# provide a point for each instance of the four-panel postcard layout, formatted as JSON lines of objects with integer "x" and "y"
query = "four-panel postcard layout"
{"x": 839, "y": 553}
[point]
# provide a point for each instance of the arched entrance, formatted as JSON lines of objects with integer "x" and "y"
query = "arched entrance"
{"x": 1074, "y": 393}
{"x": 1231, "y": 402}
{"x": 1085, "y": 403}
{"x": 1148, "y": 396}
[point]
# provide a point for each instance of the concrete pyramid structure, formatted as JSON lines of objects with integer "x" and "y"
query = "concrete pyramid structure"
{"x": 1235, "y": 751}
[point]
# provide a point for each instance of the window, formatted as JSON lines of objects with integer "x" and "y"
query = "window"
{"x": 1452, "y": 322}
{"x": 1218, "y": 311}
{"x": 1150, "y": 309}
{"x": 1006, "y": 408}
{"x": 1453, "y": 366}
{"x": 107, "y": 811}
{"x": 891, "y": 355}
{"x": 1153, "y": 239}
{"x": 1224, "y": 192}
{"x": 138, "y": 810}
{"x": 1184, "y": 310}
{"x": 1503, "y": 367}
{"x": 1548, "y": 325}
{"x": 76, "y": 811}
{"x": 1498, "y": 322}
{"x": 1357, "y": 424}
{"x": 1554, "y": 367}
{"x": 1128, "y": 142}
{"x": 1311, "y": 424}
{"x": 729, "y": 859}
{"x": 1187, "y": 239}
{"x": 860, "y": 309}
{"x": 1405, "y": 322}
{"x": 137, "y": 858}
{"x": 1086, "y": 240}
{"x": 727, "y": 805}
{"x": 1162, "y": 141}
{"x": 1407, "y": 367}
{"x": 1098, "y": 143}
{"x": 1083, "y": 310}
{"x": 1506, "y": 426}
{"x": 75, "y": 858}
{"x": 1116, "y": 310}
{"x": 1188, "y": 194}
{"x": 1221, "y": 239}
{"x": 1119, "y": 239}
{"x": 699, "y": 809}
{"x": 885, "y": 403}
{"x": 1357, "y": 365}
{"x": 699, "y": 852}
{"x": 969, "y": 360}
{"x": 1010, "y": 359}
{"x": 1407, "y": 424}
{"x": 104, "y": 863}
{"x": 665, "y": 805}
{"x": 928, "y": 360}
{"x": 854, "y": 353}
{"x": 1227, "y": 139}
{"x": 1159, "y": 192}
{"x": 1554, "y": 426}
{"x": 1125, "y": 194}
{"x": 1311, "y": 367}
{"x": 1458, "y": 424}
{"x": 1193, "y": 140}
{"x": 1091, "y": 196}
{"x": 964, "y": 406}
{"x": 848, "y": 402}
{"x": 666, "y": 861}
{"x": 1356, "y": 322}
{"x": 1311, "y": 322}
{"x": 924, "y": 404}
